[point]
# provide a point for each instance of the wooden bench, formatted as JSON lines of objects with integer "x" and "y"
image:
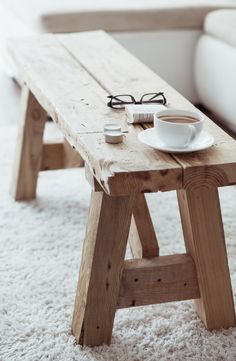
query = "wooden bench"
{"x": 69, "y": 78}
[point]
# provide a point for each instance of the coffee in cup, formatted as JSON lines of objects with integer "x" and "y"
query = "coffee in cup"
{"x": 178, "y": 128}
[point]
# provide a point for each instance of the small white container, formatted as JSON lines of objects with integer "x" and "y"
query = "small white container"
{"x": 114, "y": 137}
{"x": 113, "y": 133}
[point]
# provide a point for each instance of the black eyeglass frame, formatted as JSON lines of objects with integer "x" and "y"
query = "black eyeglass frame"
{"x": 119, "y": 102}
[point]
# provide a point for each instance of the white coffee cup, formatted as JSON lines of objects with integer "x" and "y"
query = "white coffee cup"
{"x": 178, "y": 128}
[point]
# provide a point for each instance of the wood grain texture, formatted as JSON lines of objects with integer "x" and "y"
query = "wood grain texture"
{"x": 81, "y": 113}
{"x": 59, "y": 154}
{"x": 70, "y": 95}
{"x": 102, "y": 261}
{"x": 130, "y": 76}
{"x": 52, "y": 155}
{"x": 134, "y": 240}
{"x": 142, "y": 236}
{"x": 71, "y": 158}
{"x": 204, "y": 239}
{"x": 96, "y": 187}
{"x": 96, "y": 66}
{"x": 29, "y": 148}
{"x": 157, "y": 280}
{"x": 71, "y": 76}
{"x": 129, "y": 167}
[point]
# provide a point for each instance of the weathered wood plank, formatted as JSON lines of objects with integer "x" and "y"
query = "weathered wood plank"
{"x": 156, "y": 280}
{"x": 120, "y": 72}
{"x": 70, "y": 95}
{"x": 204, "y": 239}
{"x": 102, "y": 260}
{"x": 128, "y": 75}
{"x": 29, "y": 148}
{"x": 116, "y": 69}
{"x": 130, "y": 167}
{"x": 77, "y": 103}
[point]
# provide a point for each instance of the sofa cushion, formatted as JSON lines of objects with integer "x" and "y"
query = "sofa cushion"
{"x": 215, "y": 78}
{"x": 221, "y": 24}
{"x": 113, "y": 15}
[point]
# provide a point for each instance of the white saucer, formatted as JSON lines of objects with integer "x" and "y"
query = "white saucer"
{"x": 149, "y": 137}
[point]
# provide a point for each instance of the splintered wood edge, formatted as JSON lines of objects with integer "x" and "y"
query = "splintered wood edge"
{"x": 140, "y": 181}
{"x": 123, "y": 183}
{"x": 220, "y": 158}
{"x": 106, "y": 174}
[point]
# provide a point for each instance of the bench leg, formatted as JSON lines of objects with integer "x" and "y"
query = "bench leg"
{"x": 142, "y": 236}
{"x": 101, "y": 266}
{"x": 71, "y": 158}
{"x": 204, "y": 239}
{"x": 29, "y": 148}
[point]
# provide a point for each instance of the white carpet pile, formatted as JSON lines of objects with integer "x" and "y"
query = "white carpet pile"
{"x": 41, "y": 243}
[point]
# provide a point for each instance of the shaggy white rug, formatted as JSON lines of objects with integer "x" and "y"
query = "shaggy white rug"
{"x": 41, "y": 244}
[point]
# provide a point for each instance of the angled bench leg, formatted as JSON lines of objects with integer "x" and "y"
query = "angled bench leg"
{"x": 29, "y": 148}
{"x": 101, "y": 265}
{"x": 204, "y": 239}
{"x": 71, "y": 158}
{"x": 142, "y": 236}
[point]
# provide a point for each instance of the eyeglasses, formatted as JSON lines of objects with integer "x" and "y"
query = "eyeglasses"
{"x": 119, "y": 101}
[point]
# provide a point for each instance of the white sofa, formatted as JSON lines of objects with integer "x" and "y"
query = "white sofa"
{"x": 162, "y": 33}
{"x": 215, "y": 66}
{"x": 116, "y": 15}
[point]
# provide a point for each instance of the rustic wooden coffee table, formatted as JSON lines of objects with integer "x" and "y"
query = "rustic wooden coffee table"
{"x": 69, "y": 78}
